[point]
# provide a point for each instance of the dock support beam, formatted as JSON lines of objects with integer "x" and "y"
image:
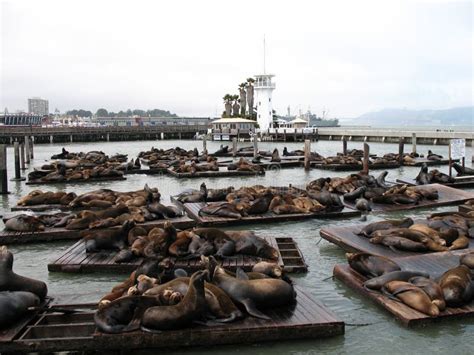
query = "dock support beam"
{"x": 307, "y": 154}
{"x": 32, "y": 154}
{"x": 22, "y": 156}
{"x": 70, "y": 138}
{"x": 51, "y": 139}
{"x": 3, "y": 169}
{"x": 27, "y": 149}
{"x": 204, "y": 144}
{"x": 255, "y": 146}
{"x": 365, "y": 162}
{"x": 16, "y": 149}
{"x": 344, "y": 145}
{"x": 413, "y": 142}
{"x": 234, "y": 147}
{"x": 108, "y": 137}
{"x": 401, "y": 146}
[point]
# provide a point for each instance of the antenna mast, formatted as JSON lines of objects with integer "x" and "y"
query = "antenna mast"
{"x": 264, "y": 54}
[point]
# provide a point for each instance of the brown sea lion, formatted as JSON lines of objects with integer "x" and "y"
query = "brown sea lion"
{"x": 134, "y": 233}
{"x": 370, "y": 265}
{"x": 376, "y": 283}
{"x": 221, "y": 209}
{"x": 270, "y": 269}
{"x": 468, "y": 260}
{"x": 123, "y": 314}
{"x": 24, "y": 223}
{"x": 10, "y": 281}
{"x": 457, "y": 286}
{"x": 399, "y": 243}
{"x": 275, "y": 156}
{"x": 412, "y": 296}
{"x": 387, "y": 224}
{"x": 107, "y": 238}
{"x": 432, "y": 289}
{"x": 190, "y": 309}
{"x": 246, "y": 242}
{"x": 254, "y": 294}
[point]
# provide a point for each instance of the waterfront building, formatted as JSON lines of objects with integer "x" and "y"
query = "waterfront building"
{"x": 228, "y": 128}
{"x": 149, "y": 121}
{"x": 20, "y": 119}
{"x": 38, "y": 106}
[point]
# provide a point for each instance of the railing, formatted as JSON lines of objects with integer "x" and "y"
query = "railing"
{"x": 5, "y": 130}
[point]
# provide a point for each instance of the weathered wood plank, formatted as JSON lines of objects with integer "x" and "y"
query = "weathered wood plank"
{"x": 110, "y": 178}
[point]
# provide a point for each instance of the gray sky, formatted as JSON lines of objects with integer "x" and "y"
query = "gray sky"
{"x": 349, "y": 57}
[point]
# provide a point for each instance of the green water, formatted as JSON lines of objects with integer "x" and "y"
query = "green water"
{"x": 383, "y": 335}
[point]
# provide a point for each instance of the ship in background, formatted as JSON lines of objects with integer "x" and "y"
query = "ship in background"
{"x": 312, "y": 119}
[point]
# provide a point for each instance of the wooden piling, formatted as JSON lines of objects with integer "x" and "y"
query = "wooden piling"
{"x": 27, "y": 149}
{"x": 450, "y": 162}
{"x": 3, "y": 169}
{"x": 32, "y": 155}
{"x": 344, "y": 145}
{"x": 413, "y": 142}
{"x": 365, "y": 162}
{"x": 401, "y": 146}
{"x": 307, "y": 154}
{"x": 16, "y": 150}
{"x": 204, "y": 144}
{"x": 255, "y": 145}
{"x": 22, "y": 156}
{"x": 234, "y": 147}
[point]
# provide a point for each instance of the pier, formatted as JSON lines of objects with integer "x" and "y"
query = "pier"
{"x": 96, "y": 134}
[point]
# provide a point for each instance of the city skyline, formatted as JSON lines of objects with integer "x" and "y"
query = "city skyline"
{"x": 375, "y": 56}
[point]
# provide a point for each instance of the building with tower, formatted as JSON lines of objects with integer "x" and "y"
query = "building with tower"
{"x": 263, "y": 94}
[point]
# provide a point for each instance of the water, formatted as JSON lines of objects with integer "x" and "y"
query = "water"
{"x": 383, "y": 334}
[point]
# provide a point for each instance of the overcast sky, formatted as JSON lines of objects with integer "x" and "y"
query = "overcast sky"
{"x": 348, "y": 57}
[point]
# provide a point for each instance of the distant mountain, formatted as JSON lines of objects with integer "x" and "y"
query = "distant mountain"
{"x": 458, "y": 116}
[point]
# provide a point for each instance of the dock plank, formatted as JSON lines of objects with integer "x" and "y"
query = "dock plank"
{"x": 76, "y": 259}
{"x": 111, "y": 178}
{"x": 459, "y": 183}
{"x": 346, "y": 237}
{"x": 435, "y": 264}
{"x": 447, "y": 196}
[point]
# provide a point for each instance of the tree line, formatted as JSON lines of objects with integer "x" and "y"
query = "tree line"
{"x": 102, "y": 112}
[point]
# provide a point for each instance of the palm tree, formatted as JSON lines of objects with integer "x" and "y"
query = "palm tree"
{"x": 228, "y": 105}
{"x": 235, "y": 106}
{"x": 243, "y": 98}
{"x": 250, "y": 82}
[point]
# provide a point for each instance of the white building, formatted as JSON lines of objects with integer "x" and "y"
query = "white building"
{"x": 38, "y": 106}
{"x": 263, "y": 98}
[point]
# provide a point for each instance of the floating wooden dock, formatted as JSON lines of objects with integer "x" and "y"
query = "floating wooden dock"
{"x": 435, "y": 264}
{"x": 461, "y": 182}
{"x": 192, "y": 209}
{"x": 447, "y": 196}
{"x": 41, "y": 208}
{"x": 220, "y": 173}
{"x": 55, "y": 234}
{"x": 428, "y": 162}
{"x": 151, "y": 171}
{"x": 75, "y": 259}
{"x": 347, "y": 239}
{"x": 109, "y": 178}
{"x": 353, "y": 167}
{"x": 52, "y": 332}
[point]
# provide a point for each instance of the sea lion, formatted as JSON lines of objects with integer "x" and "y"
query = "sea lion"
{"x": 254, "y": 294}
{"x": 10, "y": 281}
{"x": 376, "y": 283}
{"x": 387, "y": 224}
{"x": 24, "y": 223}
{"x": 221, "y": 209}
{"x": 370, "y": 265}
{"x": 457, "y": 286}
{"x": 190, "y": 309}
{"x": 246, "y": 242}
{"x": 354, "y": 195}
{"x": 193, "y": 195}
{"x": 222, "y": 243}
{"x": 412, "y": 296}
{"x": 275, "y": 156}
{"x": 462, "y": 171}
{"x": 112, "y": 238}
{"x": 363, "y": 205}
{"x": 270, "y": 269}
{"x": 400, "y": 243}
{"x": 468, "y": 260}
{"x": 123, "y": 314}
{"x": 14, "y": 305}
{"x": 432, "y": 289}
{"x": 380, "y": 180}
{"x": 261, "y": 204}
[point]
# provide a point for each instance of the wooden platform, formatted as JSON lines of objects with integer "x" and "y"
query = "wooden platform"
{"x": 111, "y": 178}
{"x": 154, "y": 171}
{"x": 220, "y": 173}
{"x": 52, "y": 332}
{"x": 347, "y": 239}
{"x": 41, "y": 208}
{"x": 447, "y": 196}
{"x": 461, "y": 182}
{"x": 75, "y": 259}
{"x": 435, "y": 264}
{"x": 353, "y": 167}
{"x": 192, "y": 209}
{"x": 421, "y": 161}
{"x": 55, "y": 234}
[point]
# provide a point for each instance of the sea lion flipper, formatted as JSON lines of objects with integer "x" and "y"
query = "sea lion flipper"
{"x": 252, "y": 310}
{"x": 240, "y": 274}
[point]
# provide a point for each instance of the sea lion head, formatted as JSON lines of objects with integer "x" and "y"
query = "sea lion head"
{"x": 6, "y": 258}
